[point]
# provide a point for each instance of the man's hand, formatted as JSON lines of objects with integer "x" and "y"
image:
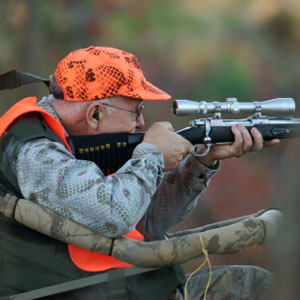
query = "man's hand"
{"x": 173, "y": 146}
{"x": 244, "y": 142}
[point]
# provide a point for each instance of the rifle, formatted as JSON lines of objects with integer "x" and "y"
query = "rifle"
{"x": 273, "y": 118}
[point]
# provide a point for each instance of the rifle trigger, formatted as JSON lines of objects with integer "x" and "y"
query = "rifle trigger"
{"x": 207, "y": 148}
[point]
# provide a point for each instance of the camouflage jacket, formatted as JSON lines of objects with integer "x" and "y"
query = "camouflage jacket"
{"x": 139, "y": 195}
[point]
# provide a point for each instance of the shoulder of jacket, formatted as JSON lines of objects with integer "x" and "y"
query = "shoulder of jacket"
{"x": 31, "y": 126}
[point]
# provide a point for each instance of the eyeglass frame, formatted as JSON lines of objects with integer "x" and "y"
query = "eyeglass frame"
{"x": 138, "y": 111}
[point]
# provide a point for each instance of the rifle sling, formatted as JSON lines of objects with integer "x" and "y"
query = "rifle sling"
{"x": 13, "y": 79}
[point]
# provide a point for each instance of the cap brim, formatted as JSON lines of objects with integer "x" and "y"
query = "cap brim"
{"x": 148, "y": 92}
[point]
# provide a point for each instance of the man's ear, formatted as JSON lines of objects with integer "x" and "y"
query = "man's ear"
{"x": 93, "y": 115}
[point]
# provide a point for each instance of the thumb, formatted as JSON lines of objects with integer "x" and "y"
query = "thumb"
{"x": 168, "y": 125}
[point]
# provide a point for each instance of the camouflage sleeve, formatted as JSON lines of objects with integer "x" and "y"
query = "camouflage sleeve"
{"x": 176, "y": 197}
{"x": 49, "y": 175}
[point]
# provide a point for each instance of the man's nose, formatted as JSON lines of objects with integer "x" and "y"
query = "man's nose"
{"x": 140, "y": 123}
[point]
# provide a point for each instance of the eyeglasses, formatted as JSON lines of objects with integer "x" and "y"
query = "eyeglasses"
{"x": 137, "y": 111}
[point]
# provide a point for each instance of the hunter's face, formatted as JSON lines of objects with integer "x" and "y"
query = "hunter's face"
{"x": 124, "y": 115}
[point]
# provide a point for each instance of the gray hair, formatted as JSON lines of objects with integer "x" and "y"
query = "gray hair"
{"x": 73, "y": 111}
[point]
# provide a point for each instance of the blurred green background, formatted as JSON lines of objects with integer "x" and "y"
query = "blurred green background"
{"x": 198, "y": 50}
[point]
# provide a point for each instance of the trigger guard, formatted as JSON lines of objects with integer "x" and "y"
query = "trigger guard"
{"x": 194, "y": 153}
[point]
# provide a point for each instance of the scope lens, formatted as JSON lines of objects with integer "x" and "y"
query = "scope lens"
{"x": 175, "y": 107}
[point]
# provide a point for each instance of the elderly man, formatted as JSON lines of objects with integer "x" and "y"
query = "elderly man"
{"x": 101, "y": 90}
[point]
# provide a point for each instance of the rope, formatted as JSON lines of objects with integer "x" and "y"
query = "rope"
{"x": 199, "y": 268}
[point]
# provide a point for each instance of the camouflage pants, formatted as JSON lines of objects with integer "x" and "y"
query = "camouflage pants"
{"x": 229, "y": 282}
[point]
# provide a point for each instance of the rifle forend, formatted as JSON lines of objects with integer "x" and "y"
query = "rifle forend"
{"x": 283, "y": 107}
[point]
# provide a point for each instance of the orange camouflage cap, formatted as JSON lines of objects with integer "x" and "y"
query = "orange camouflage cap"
{"x": 102, "y": 72}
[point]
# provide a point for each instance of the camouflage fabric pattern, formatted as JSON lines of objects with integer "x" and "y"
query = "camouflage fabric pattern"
{"x": 230, "y": 283}
{"x": 166, "y": 206}
{"x": 110, "y": 206}
{"x": 231, "y": 238}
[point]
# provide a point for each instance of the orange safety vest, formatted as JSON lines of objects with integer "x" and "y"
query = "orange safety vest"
{"x": 84, "y": 259}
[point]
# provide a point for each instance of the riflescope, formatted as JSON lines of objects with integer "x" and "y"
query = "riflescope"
{"x": 274, "y": 107}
